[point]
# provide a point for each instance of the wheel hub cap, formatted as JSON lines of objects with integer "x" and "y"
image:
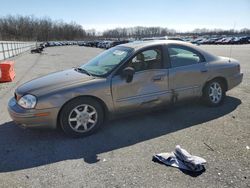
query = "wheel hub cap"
{"x": 215, "y": 92}
{"x": 83, "y": 118}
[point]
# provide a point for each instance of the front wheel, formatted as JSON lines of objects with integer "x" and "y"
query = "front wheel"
{"x": 81, "y": 117}
{"x": 214, "y": 93}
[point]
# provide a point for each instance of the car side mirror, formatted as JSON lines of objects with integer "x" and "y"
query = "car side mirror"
{"x": 128, "y": 74}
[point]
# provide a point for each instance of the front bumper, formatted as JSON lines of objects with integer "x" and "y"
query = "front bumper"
{"x": 33, "y": 118}
{"x": 235, "y": 80}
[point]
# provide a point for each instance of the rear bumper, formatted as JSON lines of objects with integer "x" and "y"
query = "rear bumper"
{"x": 46, "y": 118}
{"x": 235, "y": 80}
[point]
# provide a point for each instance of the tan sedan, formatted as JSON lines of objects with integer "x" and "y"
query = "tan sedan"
{"x": 130, "y": 77}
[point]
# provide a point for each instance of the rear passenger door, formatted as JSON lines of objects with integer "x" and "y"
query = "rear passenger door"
{"x": 188, "y": 71}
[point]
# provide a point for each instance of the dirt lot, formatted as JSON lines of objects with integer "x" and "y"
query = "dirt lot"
{"x": 120, "y": 154}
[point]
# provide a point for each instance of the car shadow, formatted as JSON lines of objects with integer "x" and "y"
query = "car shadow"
{"x": 25, "y": 148}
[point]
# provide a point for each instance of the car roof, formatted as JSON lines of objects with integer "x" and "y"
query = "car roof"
{"x": 141, "y": 44}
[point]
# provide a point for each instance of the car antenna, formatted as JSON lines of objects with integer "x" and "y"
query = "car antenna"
{"x": 230, "y": 52}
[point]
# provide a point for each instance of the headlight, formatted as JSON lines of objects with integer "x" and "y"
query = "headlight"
{"x": 27, "y": 101}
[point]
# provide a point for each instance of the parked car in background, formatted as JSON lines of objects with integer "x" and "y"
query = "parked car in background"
{"x": 175, "y": 38}
{"x": 95, "y": 43}
{"x": 220, "y": 41}
{"x": 228, "y": 40}
{"x": 197, "y": 40}
{"x": 241, "y": 40}
{"x": 126, "y": 78}
{"x": 81, "y": 43}
{"x": 211, "y": 40}
{"x": 154, "y": 38}
{"x": 107, "y": 44}
{"x": 115, "y": 43}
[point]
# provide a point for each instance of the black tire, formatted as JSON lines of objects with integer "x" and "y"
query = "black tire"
{"x": 67, "y": 110}
{"x": 210, "y": 100}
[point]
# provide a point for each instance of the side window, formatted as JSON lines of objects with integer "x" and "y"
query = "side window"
{"x": 181, "y": 56}
{"x": 148, "y": 59}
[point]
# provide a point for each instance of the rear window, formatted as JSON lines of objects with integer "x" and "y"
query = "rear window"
{"x": 183, "y": 56}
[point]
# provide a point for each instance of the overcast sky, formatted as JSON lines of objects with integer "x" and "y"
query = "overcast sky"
{"x": 182, "y": 15}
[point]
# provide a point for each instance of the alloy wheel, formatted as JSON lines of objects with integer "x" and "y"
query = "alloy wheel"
{"x": 215, "y": 92}
{"x": 83, "y": 118}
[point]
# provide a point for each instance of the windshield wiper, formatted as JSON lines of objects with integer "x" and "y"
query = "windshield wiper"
{"x": 79, "y": 69}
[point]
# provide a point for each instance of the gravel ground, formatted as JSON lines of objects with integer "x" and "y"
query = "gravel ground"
{"x": 120, "y": 154}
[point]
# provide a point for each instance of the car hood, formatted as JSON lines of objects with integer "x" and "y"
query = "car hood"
{"x": 52, "y": 82}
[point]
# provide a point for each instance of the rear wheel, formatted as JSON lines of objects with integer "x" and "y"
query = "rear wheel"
{"x": 214, "y": 93}
{"x": 81, "y": 117}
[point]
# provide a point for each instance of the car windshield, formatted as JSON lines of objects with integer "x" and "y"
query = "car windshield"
{"x": 106, "y": 61}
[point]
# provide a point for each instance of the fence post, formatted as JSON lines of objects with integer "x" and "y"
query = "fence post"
{"x": 3, "y": 51}
{"x": 8, "y": 50}
{"x": 19, "y": 51}
{"x": 15, "y": 48}
{"x": 12, "y": 49}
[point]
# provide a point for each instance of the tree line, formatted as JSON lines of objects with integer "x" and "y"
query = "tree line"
{"x": 143, "y": 32}
{"x": 30, "y": 28}
{"x": 138, "y": 32}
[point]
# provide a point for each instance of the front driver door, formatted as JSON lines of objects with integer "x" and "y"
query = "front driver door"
{"x": 149, "y": 87}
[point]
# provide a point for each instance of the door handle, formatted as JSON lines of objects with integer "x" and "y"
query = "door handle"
{"x": 203, "y": 70}
{"x": 158, "y": 77}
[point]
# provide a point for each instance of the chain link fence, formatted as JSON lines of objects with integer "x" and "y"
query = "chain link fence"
{"x": 10, "y": 49}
